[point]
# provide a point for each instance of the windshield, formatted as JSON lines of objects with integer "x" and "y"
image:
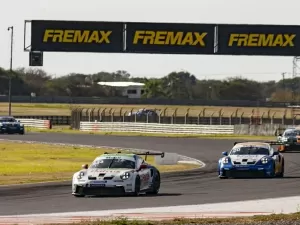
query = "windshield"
{"x": 5, "y": 120}
{"x": 291, "y": 133}
{"x": 249, "y": 151}
{"x": 113, "y": 163}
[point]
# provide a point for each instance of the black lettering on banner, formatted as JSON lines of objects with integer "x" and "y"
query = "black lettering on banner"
{"x": 75, "y": 36}
{"x": 273, "y": 40}
{"x": 170, "y": 38}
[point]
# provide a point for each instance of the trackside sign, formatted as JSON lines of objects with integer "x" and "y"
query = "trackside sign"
{"x": 170, "y": 38}
{"x": 73, "y": 36}
{"x": 258, "y": 40}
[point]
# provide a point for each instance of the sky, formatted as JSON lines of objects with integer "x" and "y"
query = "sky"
{"x": 260, "y": 68}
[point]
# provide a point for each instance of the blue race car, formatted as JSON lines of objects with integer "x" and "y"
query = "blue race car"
{"x": 9, "y": 125}
{"x": 251, "y": 159}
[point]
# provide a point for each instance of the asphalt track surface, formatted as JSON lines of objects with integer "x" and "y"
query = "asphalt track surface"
{"x": 195, "y": 187}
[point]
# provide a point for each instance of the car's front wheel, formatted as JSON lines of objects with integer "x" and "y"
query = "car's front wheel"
{"x": 137, "y": 186}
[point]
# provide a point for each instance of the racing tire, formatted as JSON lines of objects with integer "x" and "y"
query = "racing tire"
{"x": 22, "y": 132}
{"x": 156, "y": 186}
{"x": 137, "y": 186}
{"x": 281, "y": 174}
{"x": 223, "y": 177}
{"x": 273, "y": 174}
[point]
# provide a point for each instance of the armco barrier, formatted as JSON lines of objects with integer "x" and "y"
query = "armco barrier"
{"x": 156, "y": 128}
{"x": 40, "y": 124}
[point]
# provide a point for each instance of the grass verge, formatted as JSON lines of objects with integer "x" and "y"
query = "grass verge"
{"x": 67, "y": 130}
{"x": 277, "y": 219}
{"x": 29, "y": 163}
{"x": 64, "y": 109}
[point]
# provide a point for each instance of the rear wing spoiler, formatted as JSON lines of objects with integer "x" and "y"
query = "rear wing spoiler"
{"x": 267, "y": 142}
{"x": 162, "y": 154}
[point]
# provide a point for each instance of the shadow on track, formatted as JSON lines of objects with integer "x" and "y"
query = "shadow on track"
{"x": 141, "y": 195}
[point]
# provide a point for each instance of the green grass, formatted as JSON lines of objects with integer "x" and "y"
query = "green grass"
{"x": 67, "y": 130}
{"x": 168, "y": 110}
{"x": 28, "y": 163}
{"x": 271, "y": 219}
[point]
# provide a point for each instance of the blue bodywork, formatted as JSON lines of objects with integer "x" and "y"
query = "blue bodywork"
{"x": 226, "y": 168}
{"x": 9, "y": 125}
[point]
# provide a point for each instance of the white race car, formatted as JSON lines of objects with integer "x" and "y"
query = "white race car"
{"x": 118, "y": 173}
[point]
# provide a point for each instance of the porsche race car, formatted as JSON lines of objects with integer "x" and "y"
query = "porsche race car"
{"x": 290, "y": 139}
{"x": 117, "y": 174}
{"x": 9, "y": 125}
{"x": 251, "y": 159}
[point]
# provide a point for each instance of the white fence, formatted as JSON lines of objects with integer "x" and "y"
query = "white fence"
{"x": 40, "y": 124}
{"x": 156, "y": 128}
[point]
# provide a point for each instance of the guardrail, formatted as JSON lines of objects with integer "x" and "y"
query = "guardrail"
{"x": 156, "y": 128}
{"x": 40, "y": 124}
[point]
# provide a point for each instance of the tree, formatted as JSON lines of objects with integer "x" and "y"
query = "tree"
{"x": 153, "y": 89}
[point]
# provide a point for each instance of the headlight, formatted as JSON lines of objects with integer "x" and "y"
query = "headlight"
{"x": 226, "y": 160}
{"x": 264, "y": 160}
{"x": 284, "y": 139}
{"x": 80, "y": 175}
{"x": 125, "y": 176}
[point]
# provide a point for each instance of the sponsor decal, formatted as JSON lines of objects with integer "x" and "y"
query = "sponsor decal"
{"x": 148, "y": 37}
{"x": 77, "y": 36}
{"x": 261, "y": 40}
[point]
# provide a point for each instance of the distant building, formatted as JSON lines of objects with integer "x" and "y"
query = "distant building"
{"x": 129, "y": 89}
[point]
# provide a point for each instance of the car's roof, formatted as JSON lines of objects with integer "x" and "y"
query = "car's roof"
{"x": 6, "y": 117}
{"x": 128, "y": 156}
{"x": 292, "y": 129}
{"x": 247, "y": 144}
{"x": 118, "y": 154}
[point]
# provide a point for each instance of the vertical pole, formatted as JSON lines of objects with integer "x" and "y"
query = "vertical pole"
{"x": 10, "y": 69}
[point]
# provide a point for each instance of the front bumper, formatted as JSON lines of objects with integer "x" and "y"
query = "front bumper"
{"x": 11, "y": 130}
{"x": 289, "y": 146}
{"x": 102, "y": 188}
{"x": 246, "y": 171}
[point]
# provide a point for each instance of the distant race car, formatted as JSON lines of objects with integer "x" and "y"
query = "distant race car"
{"x": 144, "y": 112}
{"x": 119, "y": 174}
{"x": 9, "y": 125}
{"x": 290, "y": 139}
{"x": 251, "y": 159}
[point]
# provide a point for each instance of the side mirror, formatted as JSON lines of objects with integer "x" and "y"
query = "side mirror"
{"x": 275, "y": 153}
{"x": 225, "y": 153}
{"x": 143, "y": 166}
{"x": 279, "y": 135}
{"x": 85, "y": 166}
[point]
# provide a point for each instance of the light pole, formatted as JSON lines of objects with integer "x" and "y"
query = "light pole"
{"x": 10, "y": 69}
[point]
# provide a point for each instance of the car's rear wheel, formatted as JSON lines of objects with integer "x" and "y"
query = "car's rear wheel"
{"x": 281, "y": 174}
{"x": 156, "y": 185}
{"x": 22, "y": 132}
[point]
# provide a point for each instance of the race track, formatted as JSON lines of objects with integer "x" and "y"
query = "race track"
{"x": 197, "y": 187}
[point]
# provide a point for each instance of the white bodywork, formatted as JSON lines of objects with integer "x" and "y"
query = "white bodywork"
{"x": 114, "y": 177}
{"x": 244, "y": 159}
